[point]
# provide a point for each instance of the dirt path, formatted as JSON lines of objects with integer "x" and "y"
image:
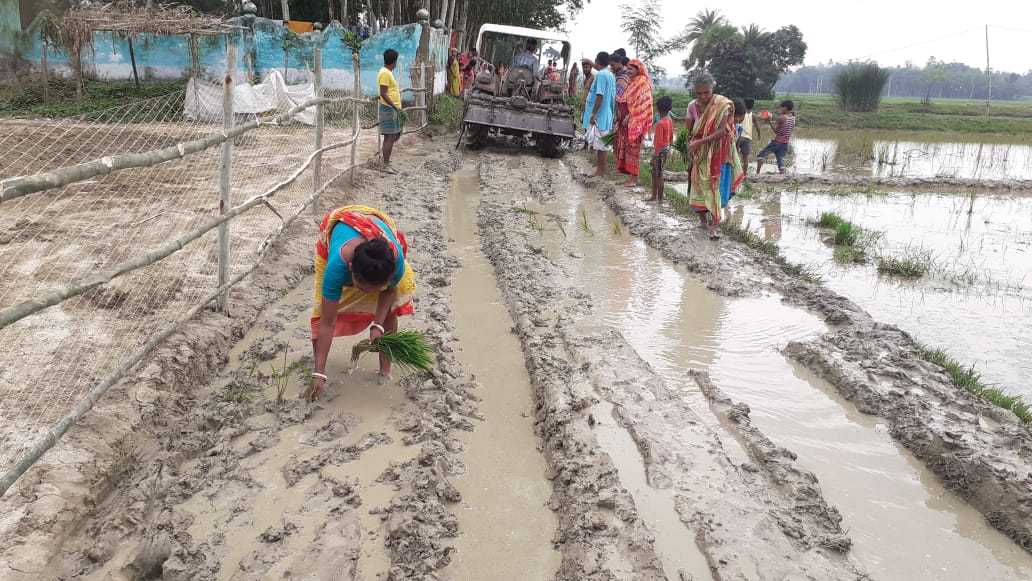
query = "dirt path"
{"x": 554, "y": 448}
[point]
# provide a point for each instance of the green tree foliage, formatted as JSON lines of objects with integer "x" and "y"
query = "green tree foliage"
{"x": 860, "y": 87}
{"x": 961, "y": 81}
{"x": 746, "y": 62}
{"x": 642, "y": 24}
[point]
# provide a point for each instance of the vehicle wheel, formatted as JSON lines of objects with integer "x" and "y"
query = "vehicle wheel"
{"x": 546, "y": 145}
{"x": 476, "y": 135}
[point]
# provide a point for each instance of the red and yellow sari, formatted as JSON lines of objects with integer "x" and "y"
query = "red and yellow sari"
{"x": 636, "y": 114}
{"x": 358, "y": 308}
{"x": 716, "y": 169}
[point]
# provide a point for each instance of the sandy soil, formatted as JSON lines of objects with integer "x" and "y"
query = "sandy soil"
{"x": 192, "y": 468}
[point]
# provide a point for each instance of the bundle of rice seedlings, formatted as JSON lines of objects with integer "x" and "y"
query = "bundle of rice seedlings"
{"x": 407, "y": 350}
{"x": 609, "y": 138}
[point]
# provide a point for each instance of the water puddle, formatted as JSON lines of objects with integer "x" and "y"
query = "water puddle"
{"x": 976, "y": 302}
{"x": 506, "y": 528}
{"x": 904, "y": 524}
{"x": 921, "y": 155}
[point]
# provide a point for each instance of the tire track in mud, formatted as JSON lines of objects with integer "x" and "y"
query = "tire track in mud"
{"x": 764, "y": 518}
{"x": 977, "y": 450}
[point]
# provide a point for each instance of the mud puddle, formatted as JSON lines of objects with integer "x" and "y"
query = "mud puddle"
{"x": 977, "y": 299}
{"x": 506, "y": 527}
{"x": 903, "y": 522}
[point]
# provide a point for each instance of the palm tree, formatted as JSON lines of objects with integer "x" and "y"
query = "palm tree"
{"x": 697, "y": 30}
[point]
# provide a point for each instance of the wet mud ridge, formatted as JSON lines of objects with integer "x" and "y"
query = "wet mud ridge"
{"x": 219, "y": 480}
{"x": 979, "y": 451}
{"x": 753, "y": 512}
{"x": 853, "y": 181}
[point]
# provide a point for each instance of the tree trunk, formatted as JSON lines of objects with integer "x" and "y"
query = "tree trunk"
{"x": 285, "y": 4}
{"x": 390, "y": 13}
{"x": 132, "y": 60}
{"x": 461, "y": 42}
{"x": 77, "y": 57}
{"x": 46, "y": 76}
{"x": 330, "y": 6}
{"x": 452, "y": 5}
{"x": 343, "y": 12}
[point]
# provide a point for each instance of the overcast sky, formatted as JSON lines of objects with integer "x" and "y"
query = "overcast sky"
{"x": 889, "y": 31}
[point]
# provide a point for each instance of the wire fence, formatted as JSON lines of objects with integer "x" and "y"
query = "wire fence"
{"x": 87, "y": 287}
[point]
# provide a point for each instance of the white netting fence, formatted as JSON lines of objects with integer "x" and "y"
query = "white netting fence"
{"x": 50, "y": 239}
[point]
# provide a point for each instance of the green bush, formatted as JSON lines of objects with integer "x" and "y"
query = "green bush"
{"x": 859, "y": 87}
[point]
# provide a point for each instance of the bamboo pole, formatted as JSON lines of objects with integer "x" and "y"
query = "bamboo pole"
{"x": 23, "y": 309}
{"x": 54, "y": 434}
{"x": 17, "y": 187}
{"x": 318, "y": 80}
{"x": 226, "y": 175}
{"x": 356, "y": 66}
{"x": 132, "y": 60}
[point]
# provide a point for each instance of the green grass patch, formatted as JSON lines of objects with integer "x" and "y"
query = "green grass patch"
{"x": 913, "y": 263}
{"x": 966, "y": 377}
{"x": 99, "y": 100}
{"x": 849, "y": 255}
{"x": 828, "y": 220}
{"x": 447, "y": 112}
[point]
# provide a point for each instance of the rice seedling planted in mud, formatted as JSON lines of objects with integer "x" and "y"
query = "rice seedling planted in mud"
{"x": 968, "y": 379}
{"x": 913, "y": 263}
{"x": 584, "y": 223}
{"x": 407, "y": 350}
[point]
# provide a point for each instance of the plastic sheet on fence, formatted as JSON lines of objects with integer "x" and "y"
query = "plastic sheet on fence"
{"x": 271, "y": 96}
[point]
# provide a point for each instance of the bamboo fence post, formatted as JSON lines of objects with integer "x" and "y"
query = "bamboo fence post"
{"x": 318, "y": 81}
{"x": 226, "y": 176}
{"x": 421, "y": 95}
{"x": 354, "y": 118}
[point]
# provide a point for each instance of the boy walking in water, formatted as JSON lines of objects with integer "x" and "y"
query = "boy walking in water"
{"x": 783, "y": 127}
{"x": 661, "y": 146}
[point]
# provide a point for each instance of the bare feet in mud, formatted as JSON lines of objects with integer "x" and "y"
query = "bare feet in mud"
{"x": 630, "y": 184}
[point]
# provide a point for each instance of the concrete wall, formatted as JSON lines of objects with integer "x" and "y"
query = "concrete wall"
{"x": 265, "y": 46}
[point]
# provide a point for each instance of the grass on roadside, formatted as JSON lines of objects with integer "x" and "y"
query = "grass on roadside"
{"x": 98, "y": 97}
{"x": 447, "y": 112}
{"x": 968, "y": 379}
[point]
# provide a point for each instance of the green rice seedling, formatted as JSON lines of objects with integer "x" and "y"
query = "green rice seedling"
{"x": 846, "y": 234}
{"x": 584, "y": 223}
{"x": 407, "y": 350}
{"x": 913, "y": 263}
{"x": 969, "y": 379}
{"x": 280, "y": 378}
{"x": 616, "y": 227}
{"x": 609, "y": 138}
{"x": 559, "y": 223}
{"x": 828, "y": 220}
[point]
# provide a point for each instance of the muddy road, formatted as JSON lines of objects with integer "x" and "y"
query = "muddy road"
{"x": 614, "y": 398}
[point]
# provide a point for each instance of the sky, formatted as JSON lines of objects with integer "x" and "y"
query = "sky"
{"x": 888, "y": 31}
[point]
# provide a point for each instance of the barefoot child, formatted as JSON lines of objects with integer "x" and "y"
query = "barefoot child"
{"x": 783, "y": 127}
{"x": 661, "y": 146}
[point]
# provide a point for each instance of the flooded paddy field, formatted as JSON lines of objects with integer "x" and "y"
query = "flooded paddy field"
{"x": 918, "y": 155}
{"x": 615, "y": 397}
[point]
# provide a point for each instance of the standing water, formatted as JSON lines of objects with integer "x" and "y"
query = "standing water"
{"x": 976, "y": 300}
{"x": 905, "y": 525}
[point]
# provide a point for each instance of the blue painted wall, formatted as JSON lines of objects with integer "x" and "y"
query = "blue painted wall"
{"x": 262, "y": 48}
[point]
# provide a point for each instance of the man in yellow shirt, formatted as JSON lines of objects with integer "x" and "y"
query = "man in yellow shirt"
{"x": 390, "y": 107}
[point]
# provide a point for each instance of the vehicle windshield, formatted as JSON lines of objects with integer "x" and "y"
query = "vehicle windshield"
{"x": 504, "y": 51}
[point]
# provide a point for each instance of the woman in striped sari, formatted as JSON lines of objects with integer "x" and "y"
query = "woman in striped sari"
{"x": 362, "y": 280}
{"x": 716, "y": 168}
{"x": 634, "y": 110}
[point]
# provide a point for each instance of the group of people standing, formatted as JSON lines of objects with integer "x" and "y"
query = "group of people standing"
{"x": 618, "y": 99}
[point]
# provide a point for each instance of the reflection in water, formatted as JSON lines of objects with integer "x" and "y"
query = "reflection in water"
{"x": 977, "y": 302}
{"x": 931, "y": 155}
{"x": 904, "y": 524}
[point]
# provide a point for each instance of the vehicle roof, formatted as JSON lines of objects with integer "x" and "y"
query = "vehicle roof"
{"x": 520, "y": 31}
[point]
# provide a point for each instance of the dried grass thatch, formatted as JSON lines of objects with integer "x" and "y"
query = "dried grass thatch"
{"x": 78, "y": 24}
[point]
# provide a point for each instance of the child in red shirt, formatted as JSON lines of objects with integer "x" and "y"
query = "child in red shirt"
{"x": 664, "y": 136}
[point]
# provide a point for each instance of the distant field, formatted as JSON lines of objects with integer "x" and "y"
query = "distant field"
{"x": 1007, "y": 117}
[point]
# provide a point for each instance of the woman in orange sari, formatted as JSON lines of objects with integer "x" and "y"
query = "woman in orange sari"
{"x": 634, "y": 110}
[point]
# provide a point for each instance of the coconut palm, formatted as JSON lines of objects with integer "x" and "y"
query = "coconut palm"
{"x": 697, "y": 31}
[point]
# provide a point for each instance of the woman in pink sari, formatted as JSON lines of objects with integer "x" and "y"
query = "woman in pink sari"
{"x": 634, "y": 115}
